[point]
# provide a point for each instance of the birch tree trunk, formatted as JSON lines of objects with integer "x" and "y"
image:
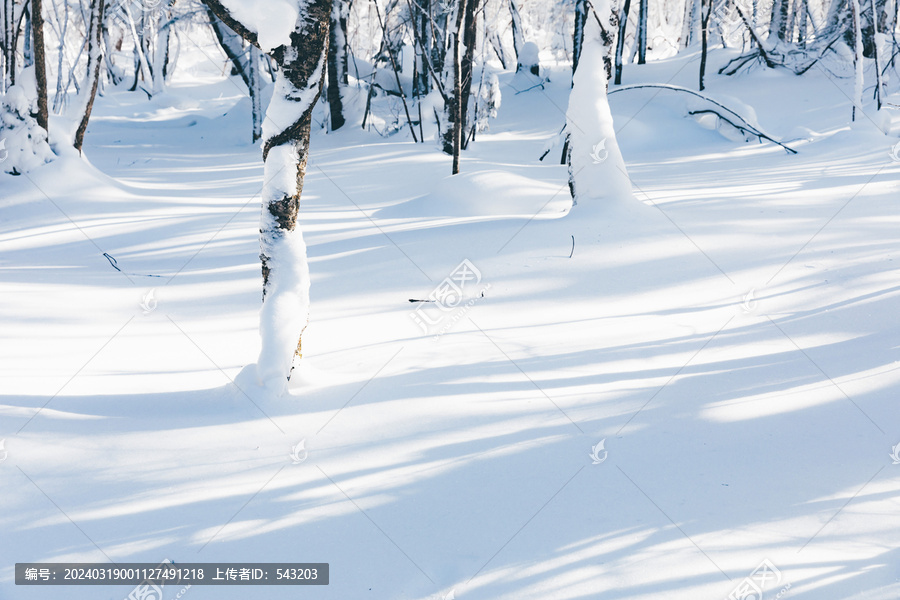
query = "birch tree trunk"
{"x": 451, "y": 135}
{"x": 285, "y": 271}
{"x": 92, "y": 78}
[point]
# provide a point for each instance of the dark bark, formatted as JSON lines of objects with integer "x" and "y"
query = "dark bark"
{"x": 40, "y": 64}
{"x": 620, "y": 42}
{"x": 466, "y": 67}
{"x": 641, "y": 39}
{"x": 518, "y": 32}
{"x": 581, "y": 8}
{"x": 335, "y": 51}
{"x": 221, "y": 12}
{"x": 95, "y": 56}
{"x": 704, "y": 38}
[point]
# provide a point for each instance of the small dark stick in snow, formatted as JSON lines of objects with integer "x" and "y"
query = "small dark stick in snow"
{"x": 415, "y": 300}
{"x": 572, "y": 253}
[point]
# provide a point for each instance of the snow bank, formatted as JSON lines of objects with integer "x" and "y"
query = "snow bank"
{"x": 272, "y": 20}
{"x": 486, "y": 194}
{"x": 23, "y": 143}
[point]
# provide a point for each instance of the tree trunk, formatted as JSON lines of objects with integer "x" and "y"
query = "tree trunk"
{"x": 40, "y": 64}
{"x": 518, "y": 31}
{"x": 335, "y": 51}
{"x": 28, "y": 49}
{"x": 9, "y": 39}
{"x": 857, "y": 59}
{"x": 581, "y": 9}
{"x": 92, "y": 78}
{"x": 778, "y": 22}
{"x": 466, "y": 68}
{"x": 286, "y": 130}
{"x": 704, "y": 38}
{"x": 249, "y": 71}
{"x": 620, "y": 44}
{"x": 451, "y": 136}
{"x": 254, "y": 88}
{"x": 641, "y": 38}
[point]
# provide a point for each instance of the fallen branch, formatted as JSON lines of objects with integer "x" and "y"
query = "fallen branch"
{"x": 745, "y": 127}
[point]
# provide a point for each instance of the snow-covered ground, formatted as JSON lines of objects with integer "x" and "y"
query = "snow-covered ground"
{"x": 732, "y": 340}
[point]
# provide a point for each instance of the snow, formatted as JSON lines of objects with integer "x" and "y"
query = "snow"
{"x": 735, "y": 347}
{"x": 23, "y": 144}
{"x": 273, "y": 21}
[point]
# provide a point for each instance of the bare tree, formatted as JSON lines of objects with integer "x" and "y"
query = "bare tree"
{"x": 92, "y": 77}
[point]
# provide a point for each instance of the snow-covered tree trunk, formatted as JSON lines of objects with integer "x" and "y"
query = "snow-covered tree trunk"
{"x": 160, "y": 58}
{"x": 778, "y": 21}
{"x": 298, "y": 85}
{"x": 596, "y": 168}
{"x": 92, "y": 76}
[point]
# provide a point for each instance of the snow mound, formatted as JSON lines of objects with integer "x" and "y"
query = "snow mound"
{"x": 490, "y": 193}
{"x": 23, "y": 144}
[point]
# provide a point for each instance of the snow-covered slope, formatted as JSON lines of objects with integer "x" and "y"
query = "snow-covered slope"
{"x": 731, "y": 339}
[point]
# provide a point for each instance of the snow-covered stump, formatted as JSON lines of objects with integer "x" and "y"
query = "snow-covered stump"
{"x": 596, "y": 168}
{"x": 529, "y": 60}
